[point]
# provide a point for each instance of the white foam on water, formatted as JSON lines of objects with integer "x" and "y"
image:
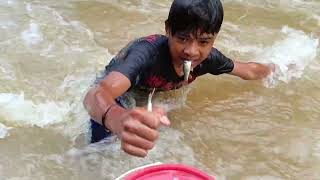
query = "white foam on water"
{"x": 28, "y": 7}
{"x": 74, "y": 87}
{"x": 18, "y": 110}
{"x": 108, "y": 154}
{"x": 291, "y": 56}
{"x": 49, "y": 35}
{"x": 32, "y": 35}
{"x": 4, "y": 131}
{"x": 7, "y": 24}
{"x": 6, "y": 71}
{"x": 8, "y": 2}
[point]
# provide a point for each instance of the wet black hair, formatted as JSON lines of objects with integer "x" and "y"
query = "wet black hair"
{"x": 190, "y": 16}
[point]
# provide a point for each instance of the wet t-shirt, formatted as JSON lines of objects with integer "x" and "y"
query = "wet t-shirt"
{"x": 146, "y": 62}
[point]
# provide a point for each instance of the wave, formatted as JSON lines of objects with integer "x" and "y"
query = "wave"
{"x": 291, "y": 55}
{"x": 18, "y": 110}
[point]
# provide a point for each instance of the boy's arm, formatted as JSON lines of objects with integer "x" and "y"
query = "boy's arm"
{"x": 137, "y": 128}
{"x": 218, "y": 63}
{"x": 252, "y": 70}
{"x": 99, "y": 98}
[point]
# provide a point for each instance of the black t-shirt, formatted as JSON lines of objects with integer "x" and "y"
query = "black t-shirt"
{"x": 147, "y": 63}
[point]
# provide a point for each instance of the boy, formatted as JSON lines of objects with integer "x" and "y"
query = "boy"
{"x": 156, "y": 61}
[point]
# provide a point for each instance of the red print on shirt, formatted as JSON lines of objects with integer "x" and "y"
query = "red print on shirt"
{"x": 151, "y": 38}
{"x": 159, "y": 82}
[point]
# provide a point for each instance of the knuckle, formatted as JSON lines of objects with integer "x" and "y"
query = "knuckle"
{"x": 154, "y": 135}
{"x": 144, "y": 154}
{"x": 129, "y": 125}
{"x": 154, "y": 121}
{"x": 125, "y": 147}
{"x": 124, "y": 136}
{"x": 150, "y": 145}
{"x": 157, "y": 122}
{"x": 135, "y": 112}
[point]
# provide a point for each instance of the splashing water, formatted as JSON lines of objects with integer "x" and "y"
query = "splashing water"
{"x": 4, "y": 131}
{"x": 29, "y": 113}
{"x": 291, "y": 56}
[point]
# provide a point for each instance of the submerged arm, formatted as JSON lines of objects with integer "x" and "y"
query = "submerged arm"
{"x": 251, "y": 70}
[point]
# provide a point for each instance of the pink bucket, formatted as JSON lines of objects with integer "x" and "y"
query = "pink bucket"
{"x": 169, "y": 172}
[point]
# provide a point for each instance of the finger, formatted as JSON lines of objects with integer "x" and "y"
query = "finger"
{"x": 150, "y": 119}
{"x": 165, "y": 121}
{"x": 137, "y": 141}
{"x": 132, "y": 150}
{"x": 163, "y": 115}
{"x": 142, "y": 130}
{"x": 159, "y": 110}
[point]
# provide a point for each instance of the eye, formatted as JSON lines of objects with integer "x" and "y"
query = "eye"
{"x": 182, "y": 38}
{"x": 203, "y": 42}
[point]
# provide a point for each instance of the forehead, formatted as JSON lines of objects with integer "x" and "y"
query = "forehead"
{"x": 197, "y": 34}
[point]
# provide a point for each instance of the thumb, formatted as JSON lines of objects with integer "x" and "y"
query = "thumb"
{"x": 163, "y": 115}
{"x": 164, "y": 120}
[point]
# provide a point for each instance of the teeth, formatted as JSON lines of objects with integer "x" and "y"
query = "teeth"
{"x": 186, "y": 69}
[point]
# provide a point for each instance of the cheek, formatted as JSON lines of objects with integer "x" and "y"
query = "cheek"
{"x": 176, "y": 49}
{"x": 205, "y": 52}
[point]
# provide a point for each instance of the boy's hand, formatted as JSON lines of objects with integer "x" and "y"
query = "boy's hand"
{"x": 139, "y": 130}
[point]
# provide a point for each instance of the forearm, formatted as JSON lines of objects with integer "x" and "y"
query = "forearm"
{"x": 97, "y": 101}
{"x": 258, "y": 71}
{"x": 251, "y": 70}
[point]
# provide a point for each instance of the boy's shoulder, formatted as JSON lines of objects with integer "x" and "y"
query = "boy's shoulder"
{"x": 156, "y": 40}
{"x": 150, "y": 44}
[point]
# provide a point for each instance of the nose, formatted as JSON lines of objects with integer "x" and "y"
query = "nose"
{"x": 191, "y": 50}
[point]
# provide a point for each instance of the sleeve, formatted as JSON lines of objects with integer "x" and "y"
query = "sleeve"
{"x": 135, "y": 60}
{"x": 217, "y": 63}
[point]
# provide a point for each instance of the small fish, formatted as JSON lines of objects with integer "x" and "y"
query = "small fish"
{"x": 186, "y": 69}
{"x": 149, "y": 106}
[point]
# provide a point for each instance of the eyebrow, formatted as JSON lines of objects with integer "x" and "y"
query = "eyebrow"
{"x": 206, "y": 38}
{"x": 183, "y": 34}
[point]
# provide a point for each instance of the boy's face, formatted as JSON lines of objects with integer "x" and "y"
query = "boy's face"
{"x": 184, "y": 46}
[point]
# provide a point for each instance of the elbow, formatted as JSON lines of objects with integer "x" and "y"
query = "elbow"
{"x": 88, "y": 99}
{"x": 85, "y": 101}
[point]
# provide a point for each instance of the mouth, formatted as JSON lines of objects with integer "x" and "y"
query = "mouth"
{"x": 193, "y": 62}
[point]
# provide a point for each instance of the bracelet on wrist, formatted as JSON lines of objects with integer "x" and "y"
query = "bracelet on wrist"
{"x": 104, "y": 115}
